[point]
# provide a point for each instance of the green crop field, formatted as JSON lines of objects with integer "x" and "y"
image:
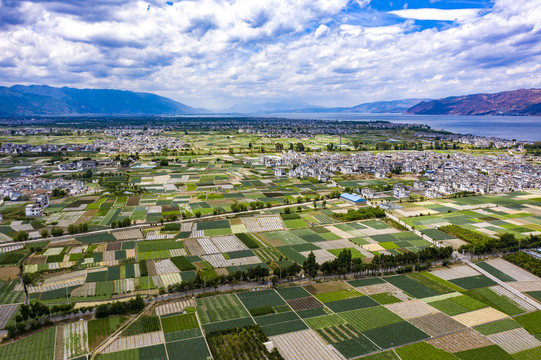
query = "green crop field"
{"x": 39, "y": 346}
{"x": 421, "y": 351}
{"x": 473, "y": 282}
{"x": 100, "y": 329}
{"x": 337, "y": 295}
{"x": 182, "y": 263}
{"x": 284, "y": 327}
{"x": 321, "y": 322}
{"x": 132, "y": 354}
{"x": 411, "y": 286}
{"x": 395, "y": 334}
{"x": 498, "y": 326}
{"x": 458, "y": 305}
{"x": 493, "y": 352}
{"x": 531, "y": 322}
{"x": 355, "y": 347}
{"x": 290, "y": 293}
{"x": 370, "y": 318}
{"x": 253, "y": 299}
{"x": 220, "y": 308}
{"x": 499, "y": 302}
{"x": 351, "y": 304}
{"x": 143, "y": 325}
{"x": 179, "y": 322}
{"x": 385, "y": 298}
{"x": 386, "y": 355}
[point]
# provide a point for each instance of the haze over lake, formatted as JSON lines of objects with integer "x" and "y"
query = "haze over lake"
{"x": 507, "y": 127}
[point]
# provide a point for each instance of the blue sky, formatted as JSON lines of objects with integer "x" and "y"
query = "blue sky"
{"x": 215, "y": 53}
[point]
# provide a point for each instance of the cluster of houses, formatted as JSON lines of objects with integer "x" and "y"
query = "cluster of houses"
{"x": 478, "y": 141}
{"x": 9, "y": 148}
{"x": 440, "y": 174}
{"x": 299, "y": 128}
{"x": 17, "y": 189}
{"x": 82, "y": 165}
{"x": 142, "y": 144}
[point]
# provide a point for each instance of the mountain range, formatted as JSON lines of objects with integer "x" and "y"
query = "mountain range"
{"x": 394, "y": 106}
{"x": 526, "y": 102}
{"x": 19, "y": 100}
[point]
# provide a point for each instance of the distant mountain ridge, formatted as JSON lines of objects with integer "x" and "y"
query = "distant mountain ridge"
{"x": 21, "y": 100}
{"x": 526, "y": 102}
{"x": 394, "y": 106}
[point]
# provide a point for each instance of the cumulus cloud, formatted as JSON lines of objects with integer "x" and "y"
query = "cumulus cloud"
{"x": 215, "y": 52}
{"x": 459, "y": 15}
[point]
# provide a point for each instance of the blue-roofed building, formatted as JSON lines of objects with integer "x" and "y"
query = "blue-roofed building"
{"x": 356, "y": 199}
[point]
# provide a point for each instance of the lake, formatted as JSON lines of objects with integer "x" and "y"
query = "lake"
{"x": 507, "y": 127}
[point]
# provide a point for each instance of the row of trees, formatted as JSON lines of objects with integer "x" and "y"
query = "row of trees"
{"x": 35, "y": 316}
{"x": 345, "y": 263}
{"x": 483, "y": 244}
{"x": 360, "y": 214}
{"x": 121, "y": 223}
{"x": 525, "y": 261}
{"x": 256, "y": 273}
{"x": 121, "y": 308}
{"x": 75, "y": 229}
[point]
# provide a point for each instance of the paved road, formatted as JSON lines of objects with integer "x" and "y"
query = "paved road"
{"x": 506, "y": 286}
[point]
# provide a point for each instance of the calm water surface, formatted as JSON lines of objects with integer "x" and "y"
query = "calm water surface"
{"x": 507, "y": 127}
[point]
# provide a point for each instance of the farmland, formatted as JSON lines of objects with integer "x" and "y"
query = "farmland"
{"x": 212, "y": 219}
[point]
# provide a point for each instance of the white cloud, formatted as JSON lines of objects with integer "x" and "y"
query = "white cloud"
{"x": 458, "y": 15}
{"x": 215, "y": 52}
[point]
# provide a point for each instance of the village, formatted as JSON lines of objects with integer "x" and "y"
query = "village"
{"x": 439, "y": 174}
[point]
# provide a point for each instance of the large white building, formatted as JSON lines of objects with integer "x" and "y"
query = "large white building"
{"x": 36, "y": 209}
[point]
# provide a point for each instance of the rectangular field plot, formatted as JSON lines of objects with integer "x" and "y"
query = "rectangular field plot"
{"x": 100, "y": 329}
{"x": 437, "y": 324}
{"x": 304, "y": 303}
{"x": 295, "y": 292}
{"x": 411, "y": 286}
{"x": 240, "y": 343}
{"x": 228, "y": 324}
{"x": 479, "y": 317}
{"x": 515, "y": 340}
{"x": 179, "y": 322}
{"x": 39, "y": 346}
{"x": 351, "y": 304}
{"x": 191, "y": 349}
{"x": 422, "y": 350}
{"x": 461, "y": 341}
{"x": 303, "y": 345}
{"x": 321, "y": 322}
{"x": 498, "y": 326}
{"x": 75, "y": 339}
{"x": 489, "y": 352}
{"x": 8, "y": 294}
{"x": 370, "y": 318}
{"x": 457, "y": 305}
{"x": 337, "y": 295}
{"x": 356, "y": 346}
{"x": 254, "y": 299}
{"x": 220, "y": 308}
{"x": 283, "y": 327}
{"x": 142, "y": 325}
{"x": 276, "y": 318}
{"x": 328, "y": 287}
{"x": 473, "y": 282}
{"x": 411, "y": 309}
{"x": 135, "y": 341}
{"x": 395, "y": 335}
